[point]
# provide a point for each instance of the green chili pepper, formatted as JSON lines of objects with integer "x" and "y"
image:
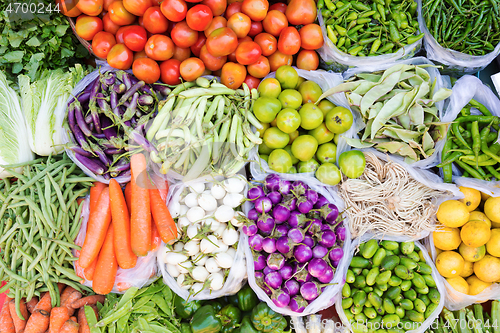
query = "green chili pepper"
{"x": 386, "y": 48}
{"x": 355, "y": 49}
{"x": 458, "y": 135}
{"x": 342, "y": 10}
{"x": 352, "y": 16}
{"x": 342, "y": 31}
{"x": 493, "y": 172}
{"x": 381, "y": 11}
{"x": 470, "y": 170}
{"x": 360, "y": 6}
{"x": 489, "y": 162}
{"x": 331, "y": 34}
{"x": 414, "y": 39}
{"x": 451, "y": 158}
{"x": 448, "y": 168}
{"x": 476, "y": 140}
{"x": 376, "y": 44}
{"x": 395, "y": 37}
{"x": 320, "y": 4}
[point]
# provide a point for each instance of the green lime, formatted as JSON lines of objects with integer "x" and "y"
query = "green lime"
{"x": 311, "y": 116}
{"x": 279, "y": 161}
{"x": 310, "y": 91}
{"x": 322, "y": 134}
{"x": 274, "y": 138}
{"x": 304, "y": 147}
{"x": 266, "y": 108}
{"x": 288, "y": 120}
{"x": 269, "y": 87}
{"x": 287, "y": 76}
{"x": 327, "y": 152}
{"x": 329, "y": 174}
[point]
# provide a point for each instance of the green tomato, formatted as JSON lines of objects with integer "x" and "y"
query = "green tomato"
{"x": 336, "y": 139}
{"x": 279, "y": 161}
{"x": 261, "y": 131}
{"x": 269, "y": 87}
{"x": 290, "y": 98}
{"x": 327, "y": 152}
{"x": 299, "y": 82}
{"x": 311, "y": 116}
{"x": 288, "y": 120}
{"x": 274, "y": 138}
{"x": 339, "y": 120}
{"x": 352, "y": 163}
{"x": 329, "y": 174}
{"x": 266, "y": 108}
{"x": 287, "y": 76}
{"x": 322, "y": 134}
{"x": 293, "y": 169}
{"x": 264, "y": 149}
{"x": 308, "y": 166}
{"x": 294, "y": 135}
{"x": 304, "y": 147}
{"x": 264, "y": 157}
{"x": 310, "y": 91}
{"x": 326, "y": 106}
{"x": 288, "y": 149}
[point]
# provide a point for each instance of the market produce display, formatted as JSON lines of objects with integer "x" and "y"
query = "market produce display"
{"x": 370, "y": 28}
{"x": 296, "y": 237}
{"x": 389, "y": 285}
{"x": 467, "y": 244}
{"x": 474, "y": 32}
{"x": 398, "y": 109}
{"x": 207, "y": 217}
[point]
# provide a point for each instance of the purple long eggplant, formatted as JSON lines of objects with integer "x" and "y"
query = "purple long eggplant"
{"x": 119, "y": 88}
{"x": 123, "y": 164}
{"x": 129, "y": 93}
{"x": 80, "y": 120}
{"x": 107, "y": 127}
{"x": 100, "y": 154}
{"x": 81, "y": 151}
{"x": 141, "y": 140}
{"x": 108, "y": 79}
{"x": 95, "y": 95}
{"x": 131, "y": 108}
{"x": 162, "y": 89}
{"x": 92, "y": 164}
{"x": 71, "y": 117}
{"x": 84, "y": 97}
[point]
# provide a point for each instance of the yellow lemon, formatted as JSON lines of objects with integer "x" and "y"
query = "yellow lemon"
{"x": 493, "y": 245}
{"x": 459, "y": 284}
{"x": 468, "y": 269}
{"x": 492, "y": 209}
{"x": 446, "y": 238}
{"x": 488, "y": 268}
{"x": 476, "y": 285}
{"x": 453, "y": 213}
{"x": 472, "y": 254}
{"x": 484, "y": 196}
{"x": 438, "y": 251}
{"x": 449, "y": 264}
{"x": 475, "y": 233}
{"x": 479, "y": 216}
{"x": 472, "y": 198}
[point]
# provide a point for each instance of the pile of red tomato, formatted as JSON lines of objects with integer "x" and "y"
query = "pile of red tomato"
{"x": 240, "y": 41}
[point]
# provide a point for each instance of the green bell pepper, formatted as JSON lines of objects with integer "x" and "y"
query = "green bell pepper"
{"x": 217, "y": 306}
{"x": 186, "y": 328}
{"x": 230, "y": 317}
{"x": 246, "y": 326}
{"x": 185, "y": 309}
{"x": 264, "y": 319}
{"x": 245, "y": 299}
{"x": 205, "y": 320}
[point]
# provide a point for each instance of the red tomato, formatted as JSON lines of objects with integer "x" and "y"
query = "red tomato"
{"x": 274, "y": 22}
{"x": 289, "y": 41}
{"x": 183, "y": 36}
{"x": 191, "y": 69}
{"x": 211, "y": 63}
{"x": 240, "y": 24}
{"x": 248, "y": 52}
{"x": 280, "y": 6}
{"x": 311, "y": 37}
{"x": 170, "y": 73}
{"x": 90, "y": 7}
{"x": 222, "y": 42}
{"x": 135, "y": 37}
{"x": 140, "y": 21}
{"x": 68, "y": 7}
{"x": 218, "y": 7}
{"x": 278, "y": 59}
{"x": 159, "y": 47}
{"x": 308, "y": 60}
{"x": 255, "y": 29}
{"x": 252, "y": 82}
{"x": 233, "y": 8}
{"x": 103, "y": 42}
{"x": 140, "y": 54}
{"x": 174, "y": 10}
{"x": 301, "y": 12}
{"x": 232, "y": 56}
{"x": 120, "y": 57}
{"x": 146, "y": 70}
{"x": 260, "y": 68}
{"x": 119, "y": 35}
{"x": 255, "y": 9}
{"x": 154, "y": 21}
{"x": 194, "y": 1}
{"x": 137, "y": 7}
{"x": 106, "y": 4}
{"x": 199, "y": 17}
{"x": 195, "y": 49}
{"x": 109, "y": 26}
{"x": 217, "y": 22}
{"x": 182, "y": 54}
{"x": 88, "y": 26}
{"x": 119, "y": 15}
{"x": 267, "y": 42}
{"x": 233, "y": 75}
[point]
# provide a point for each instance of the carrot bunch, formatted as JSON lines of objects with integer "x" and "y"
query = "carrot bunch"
{"x": 38, "y": 316}
{"x": 122, "y": 226}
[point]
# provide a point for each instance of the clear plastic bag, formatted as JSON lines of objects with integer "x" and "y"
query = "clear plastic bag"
{"x": 335, "y": 60}
{"x": 441, "y": 82}
{"x": 237, "y": 273}
{"x": 259, "y": 167}
{"x": 331, "y": 293}
{"x": 454, "y": 62}
{"x": 439, "y": 284}
{"x": 143, "y": 274}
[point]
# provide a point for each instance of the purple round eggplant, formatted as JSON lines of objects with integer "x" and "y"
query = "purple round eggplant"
{"x": 255, "y": 242}
{"x": 317, "y": 267}
{"x": 255, "y": 193}
{"x": 276, "y": 261}
{"x": 253, "y": 214}
{"x": 304, "y": 205}
{"x": 335, "y": 263}
{"x": 272, "y": 182}
{"x": 263, "y": 205}
{"x": 266, "y": 223}
{"x": 286, "y": 271}
{"x": 292, "y": 286}
{"x": 281, "y": 213}
{"x": 310, "y": 291}
{"x": 312, "y": 196}
{"x": 327, "y": 276}
{"x": 319, "y": 251}
{"x": 341, "y": 233}
{"x": 327, "y": 238}
{"x": 296, "y": 235}
{"x": 314, "y": 226}
{"x": 285, "y": 187}
{"x": 299, "y": 187}
{"x": 329, "y": 212}
{"x": 280, "y": 298}
{"x": 321, "y": 201}
{"x": 250, "y": 229}
{"x": 259, "y": 278}
{"x": 302, "y": 253}
{"x": 297, "y": 219}
{"x": 259, "y": 261}
{"x": 267, "y": 270}
{"x": 309, "y": 241}
{"x": 284, "y": 245}
{"x": 273, "y": 279}
{"x": 302, "y": 275}
{"x": 298, "y": 304}
{"x": 269, "y": 245}
{"x": 275, "y": 197}
{"x": 280, "y": 230}
{"x": 336, "y": 254}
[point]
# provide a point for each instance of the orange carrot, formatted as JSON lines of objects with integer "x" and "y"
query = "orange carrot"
{"x": 69, "y": 326}
{"x": 82, "y": 319}
{"x": 98, "y": 224}
{"x": 95, "y": 192}
{"x": 44, "y": 304}
{"x": 128, "y": 196}
{"x": 140, "y": 219}
{"x": 66, "y": 294}
{"x": 121, "y": 226}
{"x": 75, "y": 296}
{"x": 6, "y": 322}
{"x": 161, "y": 215}
{"x": 58, "y": 317}
{"x": 105, "y": 270}
{"x": 38, "y": 322}
{"x": 74, "y": 319}
{"x": 89, "y": 300}
{"x": 19, "y": 323}
{"x": 155, "y": 236}
{"x": 89, "y": 271}
{"x": 31, "y": 304}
